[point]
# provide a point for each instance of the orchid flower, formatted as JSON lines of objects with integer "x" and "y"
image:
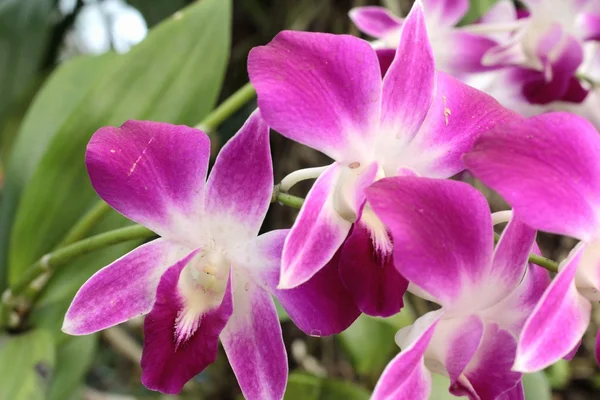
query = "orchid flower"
{"x": 209, "y": 276}
{"x": 456, "y": 50}
{"x": 375, "y": 117}
{"x": 547, "y": 167}
{"x": 443, "y": 236}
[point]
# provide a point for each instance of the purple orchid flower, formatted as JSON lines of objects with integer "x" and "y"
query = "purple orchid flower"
{"x": 443, "y": 236}
{"x": 456, "y": 50}
{"x": 209, "y": 276}
{"x": 547, "y": 167}
{"x": 327, "y": 92}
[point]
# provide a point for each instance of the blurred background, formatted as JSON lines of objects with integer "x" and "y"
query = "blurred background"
{"x": 68, "y": 67}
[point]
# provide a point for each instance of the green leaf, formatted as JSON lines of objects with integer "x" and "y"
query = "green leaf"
{"x": 73, "y": 359}
{"x": 369, "y": 342}
{"x": 477, "y": 9}
{"x": 307, "y": 387}
{"x": 26, "y": 363}
{"x": 537, "y": 386}
{"x": 174, "y": 75}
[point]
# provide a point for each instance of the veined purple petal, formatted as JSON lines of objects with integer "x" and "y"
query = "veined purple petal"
{"x": 122, "y": 290}
{"x": 442, "y": 233}
{"x": 175, "y": 347}
{"x": 316, "y": 235}
{"x": 322, "y": 306}
{"x": 489, "y": 373}
{"x": 446, "y": 13}
{"x": 153, "y": 173}
{"x": 406, "y": 376}
{"x": 253, "y": 343}
{"x": 374, "y": 21}
{"x": 319, "y": 89}
{"x": 370, "y": 276}
{"x": 239, "y": 189}
{"x": 556, "y": 324}
{"x": 547, "y": 168}
{"x": 405, "y": 101}
{"x": 459, "y": 114}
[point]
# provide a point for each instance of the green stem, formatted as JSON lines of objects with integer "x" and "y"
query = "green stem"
{"x": 227, "y": 108}
{"x": 288, "y": 200}
{"x": 86, "y": 223}
{"x": 543, "y": 262}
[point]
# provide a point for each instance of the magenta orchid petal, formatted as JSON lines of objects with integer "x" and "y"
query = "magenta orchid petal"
{"x": 446, "y": 12}
{"x": 525, "y": 177}
{"x": 556, "y": 324}
{"x": 322, "y": 306}
{"x": 385, "y": 57}
{"x": 406, "y": 377}
{"x": 458, "y": 116}
{"x": 374, "y": 21}
{"x": 489, "y": 374}
{"x": 319, "y": 89}
{"x": 462, "y": 52}
{"x": 516, "y": 393}
{"x": 253, "y": 343}
{"x": 590, "y": 26}
{"x": 316, "y": 235}
{"x": 122, "y": 290}
{"x": 240, "y": 186}
{"x": 428, "y": 217}
{"x": 405, "y": 102}
{"x": 151, "y": 172}
{"x": 179, "y": 344}
{"x": 370, "y": 276}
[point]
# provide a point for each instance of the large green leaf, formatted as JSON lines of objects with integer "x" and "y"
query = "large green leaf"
{"x": 537, "y": 386}
{"x": 174, "y": 75}
{"x": 73, "y": 358}
{"x": 26, "y": 364}
{"x": 307, "y": 387}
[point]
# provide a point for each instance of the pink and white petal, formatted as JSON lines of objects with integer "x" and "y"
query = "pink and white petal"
{"x": 489, "y": 374}
{"x": 319, "y": 89}
{"x": 445, "y": 13}
{"x": 561, "y": 196}
{"x": 405, "y": 101}
{"x": 442, "y": 233}
{"x": 374, "y": 21}
{"x": 177, "y": 348}
{"x": 240, "y": 185}
{"x": 406, "y": 377}
{"x": 122, "y": 290}
{"x": 370, "y": 276}
{"x": 462, "y": 52}
{"x": 322, "y": 306}
{"x": 589, "y": 25}
{"x": 316, "y": 235}
{"x": 458, "y": 116}
{"x": 501, "y": 11}
{"x": 153, "y": 173}
{"x": 587, "y": 277}
{"x": 556, "y": 324}
{"x": 253, "y": 342}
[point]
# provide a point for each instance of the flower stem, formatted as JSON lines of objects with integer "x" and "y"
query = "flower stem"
{"x": 227, "y": 108}
{"x": 542, "y": 261}
{"x": 289, "y": 200}
{"x": 86, "y": 223}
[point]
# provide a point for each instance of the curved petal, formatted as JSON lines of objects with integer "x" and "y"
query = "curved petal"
{"x": 589, "y": 25}
{"x": 374, "y": 21}
{"x": 319, "y": 89}
{"x": 172, "y": 353}
{"x": 406, "y": 376}
{"x": 489, "y": 374}
{"x": 316, "y": 235}
{"x": 458, "y": 116}
{"x": 552, "y": 177}
{"x": 122, "y": 290}
{"x": 445, "y": 13}
{"x": 322, "y": 306}
{"x": 253, "y": 343}
{"x": 405, "y": 101}
{"x": 240, "y": 185}
{"x": 153, "y": 173}
{"x": 438, "y": 245}
{"x": 587, "y": 277}
{"x": 561, "y": 313}
{"x": 461, "y": 52}
{"x": 370, "y": 276}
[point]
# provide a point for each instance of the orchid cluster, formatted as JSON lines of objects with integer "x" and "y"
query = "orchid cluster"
{"x": 382, "y": 219}
{"x": 544, "y": 57}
